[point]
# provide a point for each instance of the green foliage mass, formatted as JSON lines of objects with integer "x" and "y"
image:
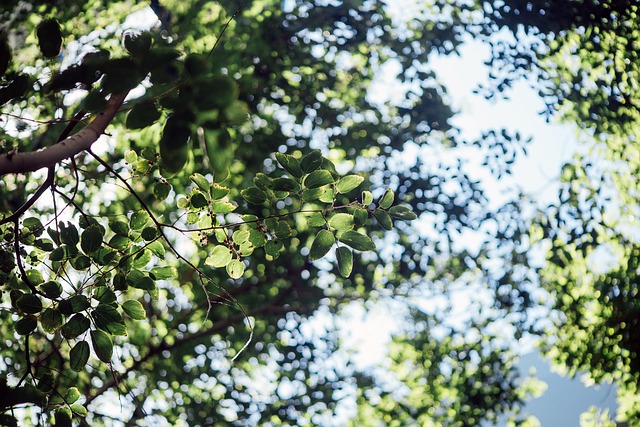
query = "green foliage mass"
{"x": 248, "y": 189}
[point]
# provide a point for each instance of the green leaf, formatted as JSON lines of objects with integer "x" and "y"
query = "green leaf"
{"x": 367, "y": 198}
{"x": 345, "y": 261}
{"x": 139, "y": 280}
{"x": 240, "y": 236}
{"x": 254, "y": 195}
{"x": 387, "y": 199}
{"x": 199, "y": 200}
{"x": 311, "y": 161}
{"x": 218, "y": 207}
{"x": 318, "y": 179}
{"x": 262, "y": 181}
{"x": 348, "y": 183}
{"x": 72, "y": 395}
{"x": 58, "y": 254}
{"x": 157, "y": 248}
{"x": 51, "y": 319}
{"x": 104, "y": 294}
{"x": 77, "y": 325}
{"x": 282, "y": 230}
{"x": 121, "y": 228}
{"x": 107, "y": 318}
{"x": 357, "y": 241}
{"x": 257, "y": 238}
{"x": 163, "y": 272}
{"x": 149, "y": 233}
{"x": 34, "y": 277}
{"x": 51, "y": 289}
{"x": 161, "y": 190}
{"x": 130, "y": 156}
{"x": 290, "y": 164}
{"x": 341, "y": 221}
{"x": 142, "y": 115}
{"x": 74, "y": 304}
{"x": 26, "y": 325}
{"x": 62, "y": 416}
{"x": 321, "y": 244}
{"x": 134, "y": 309}
{"x": 49, "y": 38}
{"x": 102, "y": 345}
{"x": 200, "y": 180}
{"x": 120, "y": 242}
{"x": 81, "y": 262}
{"x": 403, "y": 213}
{"x": 285, "y": 185}
{"x": 69, "y": 234}
{"x": 311, "y": 194}
{"x": 220, "y": 256}
{"x": 235, "y": 269}
{"x": 218, "y": 191}
{"x": 316, "y": 219}
{"x": 79, "y": 356}
{"x": 29, "y": 303}
{"x": 383, "y": 218}
{"x": 273, "y": 248}
{"x": 91, "y": 239}
{"x": 360, "y": 217}
{"x": 78, "y": 409}
{"x": 139, "y": 219}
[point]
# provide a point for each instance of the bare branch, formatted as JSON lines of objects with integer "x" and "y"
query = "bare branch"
{"x": 13, "y": 163}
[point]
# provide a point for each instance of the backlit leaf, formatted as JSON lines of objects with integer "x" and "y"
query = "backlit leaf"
{"x": 321, "y": 244}
{"x": 357, "y": 241}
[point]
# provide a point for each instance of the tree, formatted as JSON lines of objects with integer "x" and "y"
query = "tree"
{"x": 166, "y": 260}
{"x": 584, "y": 57}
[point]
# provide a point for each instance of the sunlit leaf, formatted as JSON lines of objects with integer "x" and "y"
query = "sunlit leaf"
{"x": 322, "y": 243}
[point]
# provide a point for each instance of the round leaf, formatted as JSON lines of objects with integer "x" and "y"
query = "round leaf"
{"x": 348, "y": 183}
{"x": 79, "y": 356}
{"x": 102, "y": 345}
{"x": 345, "y": 261}
{"x": 134, "y": 309}
{"x": 357, "y": 241}
{"x": 321, "y": 244}
{"x": 318, "y": 179}
{"x": 91, "y": 239}
{"x": 235, "y": 269}
{"x": 387, "y": 199}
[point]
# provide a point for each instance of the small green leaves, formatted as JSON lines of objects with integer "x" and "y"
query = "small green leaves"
{"x": 367, "y": 198}
{"x": 134, "y": 309}
{"x": 235, "y": 269}
{"x": 318, "y": 179}
{"x": 311, "y": 161}
{"x": 387, "y": 199}
{"x": 348, "y": 183}
{"x": 139, "y": 219}
{"x": 49, "y": 38}
{"x": 220, "y": 256}
{"x": 402, "y": 213}
{"x": 29, "y": 303}
{"x": 76, "y": 326}
{"x": 201, "y": 181}
{"x": 321, "y": 244}
{"x": 218, "y": 191}
{"x": 102, "y": 345}
{"x": 138, "y": 44}
{"x": 142, "y": 115}
{"x": 91, "y": 239}
{"x": 51, "y": 319}
{"x": 357, "y": 241}
{"x": 290, "y": 164}
{"x": 254, "y": 195}
{"x": 345, "y": 261}
{"x": 51, "y": 289}
{"x": 219, "y": 207}
{"x": 383, "y": 218}
{"x": 72, "y": 395}
{"x": 26, "y": 325}
{"x": 79, "y": 356}
{"x": 341, "y": 221}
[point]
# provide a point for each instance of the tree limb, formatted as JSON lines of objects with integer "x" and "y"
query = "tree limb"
{"x": 13, "y": 163}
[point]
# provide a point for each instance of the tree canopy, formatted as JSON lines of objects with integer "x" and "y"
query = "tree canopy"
{"x": 188, "y": 207}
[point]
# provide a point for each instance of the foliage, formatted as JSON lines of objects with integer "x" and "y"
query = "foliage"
{"x": 584, "y": 57}
{"x": 137, "y": 269}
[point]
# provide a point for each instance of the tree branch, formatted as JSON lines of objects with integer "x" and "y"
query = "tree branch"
{"x": 13, "y": 163}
